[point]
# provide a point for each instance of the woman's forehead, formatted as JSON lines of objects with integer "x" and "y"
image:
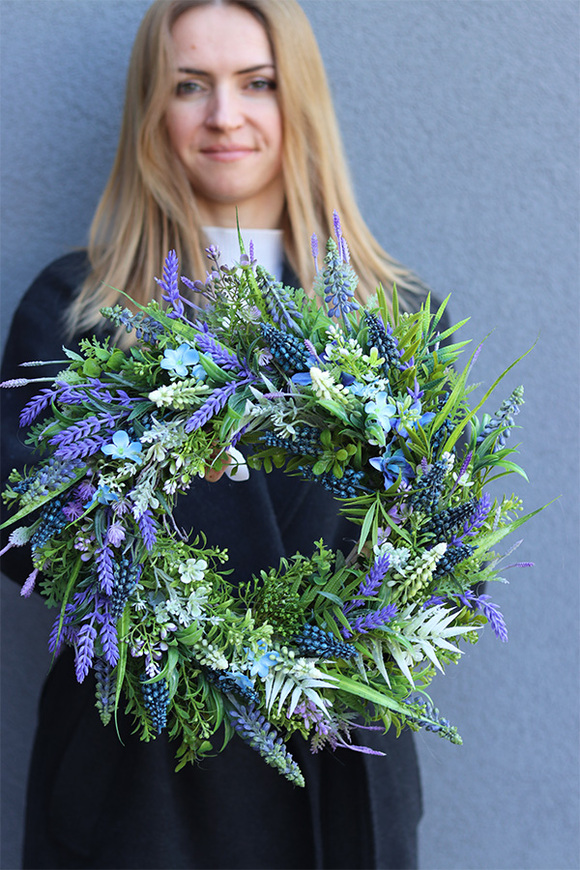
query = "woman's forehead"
{"x": 207, "y": 37}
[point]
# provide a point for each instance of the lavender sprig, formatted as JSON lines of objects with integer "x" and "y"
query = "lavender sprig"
{"x": 105, "y": 563}
{"x": 490, "y": 610}
{"x": 109, "y": 637}
{"x": 225, "y": 359}
{"x": 36, "y": 405}
{"x": 148, "y": 529}
{"x": 373, "y": 580}
{"x": 370, "y": 621}
{"x": 214, "y": 404}
{"x": 256, "y": 731}
{"x": 85, "y": 649}
{"x": 170, "y": 283}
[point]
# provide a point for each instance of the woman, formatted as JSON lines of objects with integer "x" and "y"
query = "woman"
{"x": 227, "y": 109}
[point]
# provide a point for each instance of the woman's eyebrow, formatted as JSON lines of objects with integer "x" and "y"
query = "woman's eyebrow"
{"x": 200, "y": 72}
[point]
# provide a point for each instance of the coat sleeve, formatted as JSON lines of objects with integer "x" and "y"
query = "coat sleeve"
{"x": 36, "y": 334}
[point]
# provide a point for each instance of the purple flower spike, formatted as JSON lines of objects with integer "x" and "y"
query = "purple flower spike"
{"x": 29, "y": 584}
{"x": 490, "y": 610}
{"x": 372, "y": 582}
{"x": 104, "y": 562}
{"x": 169, "y": 283}
{"x": 314, "y": 245}
{"x": 109, "y": 640}
{"x": 85, "y": 647}
{"x": 148, "y": 529}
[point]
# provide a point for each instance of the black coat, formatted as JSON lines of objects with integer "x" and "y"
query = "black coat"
{"x": 97, "y": 802}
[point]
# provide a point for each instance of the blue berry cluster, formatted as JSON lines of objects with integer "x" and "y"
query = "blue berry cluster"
{"x": 452, "y": 557}
{"x": 227, "y": 684}
{"x": 379, "y": 338}
{"x": 156, "y": 700}
{"x": 305, "y": 442}
{"x": 126, "y": 578}
{"x": 444, "y": 523}
{"x": 347, "y": 486}
{"x": 428, "y": 488}
{"x": 52, "y": 521}
{"x": 314, "y": 641}
{"x": 288, "y": 350}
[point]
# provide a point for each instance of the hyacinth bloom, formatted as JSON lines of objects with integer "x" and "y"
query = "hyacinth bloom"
{"x": 123, "y": 448}
{"x": 179, "y": 360}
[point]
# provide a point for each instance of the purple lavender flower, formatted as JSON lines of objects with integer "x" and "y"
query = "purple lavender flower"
{"x": 373, "y": 581}
{"x": 148, "y": 529}
{"x": 105, "y": 563}
{"x": 490, "y": 610}
{"x": 214, "y": 404}
{"x": 29, "y": 584}
{"x": 476, "y": 520}
{"x": 222, "y": 357}
{"x": 255, "y": 730}
{"x": 314, "y": 249}
{"x": 85, "y": 650}
{"x": 369, "y": 621}
{"x": 336, "y": 224}
{"x": 37, "y": 404}
{"x": 109, "y": 639}
{"x": 169, "y": 283}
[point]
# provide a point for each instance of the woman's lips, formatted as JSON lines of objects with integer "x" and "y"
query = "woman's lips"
{"x": 228, "y": 154}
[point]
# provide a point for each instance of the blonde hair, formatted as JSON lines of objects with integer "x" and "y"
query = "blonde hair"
{"x": 148, "y": 206}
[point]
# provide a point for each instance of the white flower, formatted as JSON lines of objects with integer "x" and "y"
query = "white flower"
{"x": 192, "y": 571}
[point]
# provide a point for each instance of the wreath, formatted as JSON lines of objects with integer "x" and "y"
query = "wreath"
{"x": 368, "y": 402}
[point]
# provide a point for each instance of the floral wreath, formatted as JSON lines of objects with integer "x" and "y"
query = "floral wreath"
{"x": 368, "y": 402}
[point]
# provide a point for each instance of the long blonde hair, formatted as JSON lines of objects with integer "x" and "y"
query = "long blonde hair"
{"x": 148, "y": 206}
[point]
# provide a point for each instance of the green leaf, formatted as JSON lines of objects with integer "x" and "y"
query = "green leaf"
{"x": 362, "y": 690}
{"x": 492, "y": 538}
{"x": 332, "y": 597}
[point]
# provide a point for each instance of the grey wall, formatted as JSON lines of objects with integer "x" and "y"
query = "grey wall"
{"x": 461, "y": 122}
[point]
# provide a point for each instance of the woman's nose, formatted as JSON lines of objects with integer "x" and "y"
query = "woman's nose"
{"x": 224, "y": 110}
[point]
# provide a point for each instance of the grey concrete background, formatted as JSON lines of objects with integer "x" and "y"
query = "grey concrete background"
{"x": 461, "y": 123}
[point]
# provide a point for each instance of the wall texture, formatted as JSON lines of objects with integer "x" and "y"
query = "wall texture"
{"x": 461, "y": 122}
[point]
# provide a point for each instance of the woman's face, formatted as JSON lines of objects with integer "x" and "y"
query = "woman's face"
{"x": 223, "y": 118}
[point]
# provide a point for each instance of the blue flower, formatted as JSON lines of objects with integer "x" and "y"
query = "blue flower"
{"x": 392, "y": 465}
{"x": 303, "y": 379}
{"x": 382, "y": 409}
{"x": 263, "y": 664}
{"x": 102, "y": 495}
{"x": 179, "y": 360}
{"x": 242, "y": 680}
{"x": 123, "y": 448}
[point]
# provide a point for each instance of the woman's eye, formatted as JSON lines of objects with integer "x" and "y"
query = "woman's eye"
{"x": 187, "y": 88}
{"x": 262, "y": 85}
